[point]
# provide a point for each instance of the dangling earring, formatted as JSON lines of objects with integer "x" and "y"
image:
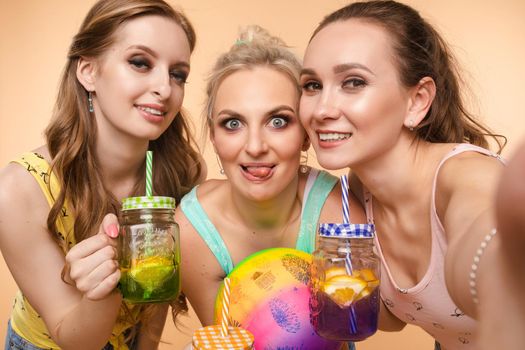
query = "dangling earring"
{"x": 411, "y": 125}
{"x": 304, "y": 163}
{"x": 221, "y": 170}
{"x": 90, "y": 102}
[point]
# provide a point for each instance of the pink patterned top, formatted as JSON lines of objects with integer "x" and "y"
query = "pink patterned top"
{"x": 428, "y": 303}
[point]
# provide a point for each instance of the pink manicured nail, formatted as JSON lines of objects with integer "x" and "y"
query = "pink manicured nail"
{"x": 112, "y": 231}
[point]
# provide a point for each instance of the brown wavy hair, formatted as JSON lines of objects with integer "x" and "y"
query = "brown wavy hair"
{"x": 71, "y": 136}
{"x": 422, "y": 52}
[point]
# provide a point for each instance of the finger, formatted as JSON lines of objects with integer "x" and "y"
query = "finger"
{"x": 81, "y": 268}
{"x": 110, "y": 226}
{"x": 88, "y": 247}
{"x": 105, "y": 287}
{"x": 90, "y": 281}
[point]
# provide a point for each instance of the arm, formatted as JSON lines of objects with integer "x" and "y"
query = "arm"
{"x": 68, "y": 313}
{"x": 470, "y": 216}
{"x": 199, "y": 270}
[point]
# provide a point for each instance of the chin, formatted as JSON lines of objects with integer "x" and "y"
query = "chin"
{"x": 332, "y": 162}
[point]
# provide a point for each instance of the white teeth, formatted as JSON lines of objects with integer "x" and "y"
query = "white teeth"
{"x": 151, "y": 110}
{"x": 334, "y": 136}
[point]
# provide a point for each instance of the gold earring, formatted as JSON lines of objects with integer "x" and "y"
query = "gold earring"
{"x": 304, "y": 162}
{"x": 221, "y": 170}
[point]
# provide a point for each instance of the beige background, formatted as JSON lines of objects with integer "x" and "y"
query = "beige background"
{"x": 486, "y": 35}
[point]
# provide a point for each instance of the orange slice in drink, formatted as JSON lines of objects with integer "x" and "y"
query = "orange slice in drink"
{"x": 343, "y": 288}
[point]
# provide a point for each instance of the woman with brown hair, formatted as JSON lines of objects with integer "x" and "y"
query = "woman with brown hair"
{"x": 120, "y": 94}
{"x": 381, "y": 95}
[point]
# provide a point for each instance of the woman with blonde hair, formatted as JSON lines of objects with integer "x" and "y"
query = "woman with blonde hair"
{"x": 268, "y": 199}
{"x": 120, "y": 94}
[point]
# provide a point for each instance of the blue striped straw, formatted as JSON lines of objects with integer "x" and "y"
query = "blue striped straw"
{"x": 348, "y": 257}
{"x": 346, "y": 206}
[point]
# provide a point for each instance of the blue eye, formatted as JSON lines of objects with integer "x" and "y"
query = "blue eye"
{"x": 232, "y": 124}
{"x": 278, "y": 122}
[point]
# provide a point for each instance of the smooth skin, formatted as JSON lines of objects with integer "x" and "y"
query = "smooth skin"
{"x": 358, "y": 115}
{"x": 139, "y": 85}
{"x": 258, "y": 139}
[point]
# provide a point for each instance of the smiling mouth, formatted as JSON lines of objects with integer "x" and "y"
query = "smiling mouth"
{"x": 334, "y": 136}
{"x": 152, "y": 111}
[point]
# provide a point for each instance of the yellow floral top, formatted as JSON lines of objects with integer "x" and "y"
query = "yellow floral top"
{"x": 24, "y": 319}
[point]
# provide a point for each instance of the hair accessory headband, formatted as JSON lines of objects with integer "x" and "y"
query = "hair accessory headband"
{"x": 240, "y": 42}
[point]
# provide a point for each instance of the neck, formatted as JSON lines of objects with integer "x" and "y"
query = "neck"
{"x": 272, "y": 214}
{"x": 398, "y": 176}
{"x": 120, "y": 161}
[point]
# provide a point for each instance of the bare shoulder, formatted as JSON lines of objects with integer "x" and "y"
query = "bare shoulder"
{"x": 18, "y": 190}
{"x": 469, "y": 170}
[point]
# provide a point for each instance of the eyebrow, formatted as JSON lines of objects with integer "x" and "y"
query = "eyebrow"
{"x": 232, "y": 113}
{"x": 339, "y": 68}
{"x": 154, "y": 54}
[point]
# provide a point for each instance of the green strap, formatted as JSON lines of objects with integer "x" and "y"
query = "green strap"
{"x": 323, "y": 185}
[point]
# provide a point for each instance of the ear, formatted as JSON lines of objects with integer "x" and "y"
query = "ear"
{"x": 421, "y": 98}
{"x": 86, "y": 73}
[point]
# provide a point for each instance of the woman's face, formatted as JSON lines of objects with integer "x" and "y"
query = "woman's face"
{"x": 353, "y": 104}
{"x": 256, "y": 131}
{"x": 139, "y": 80}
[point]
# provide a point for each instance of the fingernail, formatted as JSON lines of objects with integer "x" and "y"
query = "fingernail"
{"x": 112, "y": 231}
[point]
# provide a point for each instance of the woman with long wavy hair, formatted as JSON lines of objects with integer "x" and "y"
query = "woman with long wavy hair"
{"x": 120, "y": 94}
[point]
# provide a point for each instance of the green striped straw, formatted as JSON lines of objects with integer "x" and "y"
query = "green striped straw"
{"x": 149, "y": 171}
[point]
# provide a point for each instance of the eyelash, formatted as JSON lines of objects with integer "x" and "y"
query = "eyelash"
{"x": 351, "y": 83}
{"x": 285, "y": 118}
{"x": 143, "y": 65}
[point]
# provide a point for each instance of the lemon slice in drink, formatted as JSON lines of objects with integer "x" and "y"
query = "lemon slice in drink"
{"x": 334, "y": 271}
{"x": 151, "y": 272}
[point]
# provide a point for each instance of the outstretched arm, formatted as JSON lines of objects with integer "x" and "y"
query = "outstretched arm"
{"x": 502, "y": 311}
{"x": 74, "y": 319}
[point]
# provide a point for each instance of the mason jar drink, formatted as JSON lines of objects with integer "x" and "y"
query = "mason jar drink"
{"x": 344, "y": 302}
{"x": 149, "y": 250}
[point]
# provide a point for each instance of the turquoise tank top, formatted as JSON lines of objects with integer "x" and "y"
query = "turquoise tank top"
{"x": 314, "y": 197}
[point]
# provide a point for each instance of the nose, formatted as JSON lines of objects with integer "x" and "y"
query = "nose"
{"x": 326, "y": 106}
{"x": 161, "y": 86}
{"x": 256, "y": 143}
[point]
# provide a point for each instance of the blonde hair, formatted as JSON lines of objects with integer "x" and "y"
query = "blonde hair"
{"x": 254, "y": 47}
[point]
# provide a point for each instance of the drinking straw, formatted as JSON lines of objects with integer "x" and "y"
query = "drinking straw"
{"x": 225, "y": 307}
{"x": 348, "y": 257}
{"x": 149, "y": 170}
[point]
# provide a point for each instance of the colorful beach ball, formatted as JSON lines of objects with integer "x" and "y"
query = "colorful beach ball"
{"x": 269, "y": 296}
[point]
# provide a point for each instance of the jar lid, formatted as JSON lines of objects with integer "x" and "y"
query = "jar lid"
{"x": 154, "y": 202}
{"x": 210, "y": 338}
{"x": 347, "y": 230}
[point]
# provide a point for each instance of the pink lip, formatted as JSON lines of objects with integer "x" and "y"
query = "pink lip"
{"x": 329, "y": 144}
{"x": 258, "y": 179}
{"x": 153, "y": 118}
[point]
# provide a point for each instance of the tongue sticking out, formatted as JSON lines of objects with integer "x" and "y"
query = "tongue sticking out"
{"x": 259, "y": 171}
